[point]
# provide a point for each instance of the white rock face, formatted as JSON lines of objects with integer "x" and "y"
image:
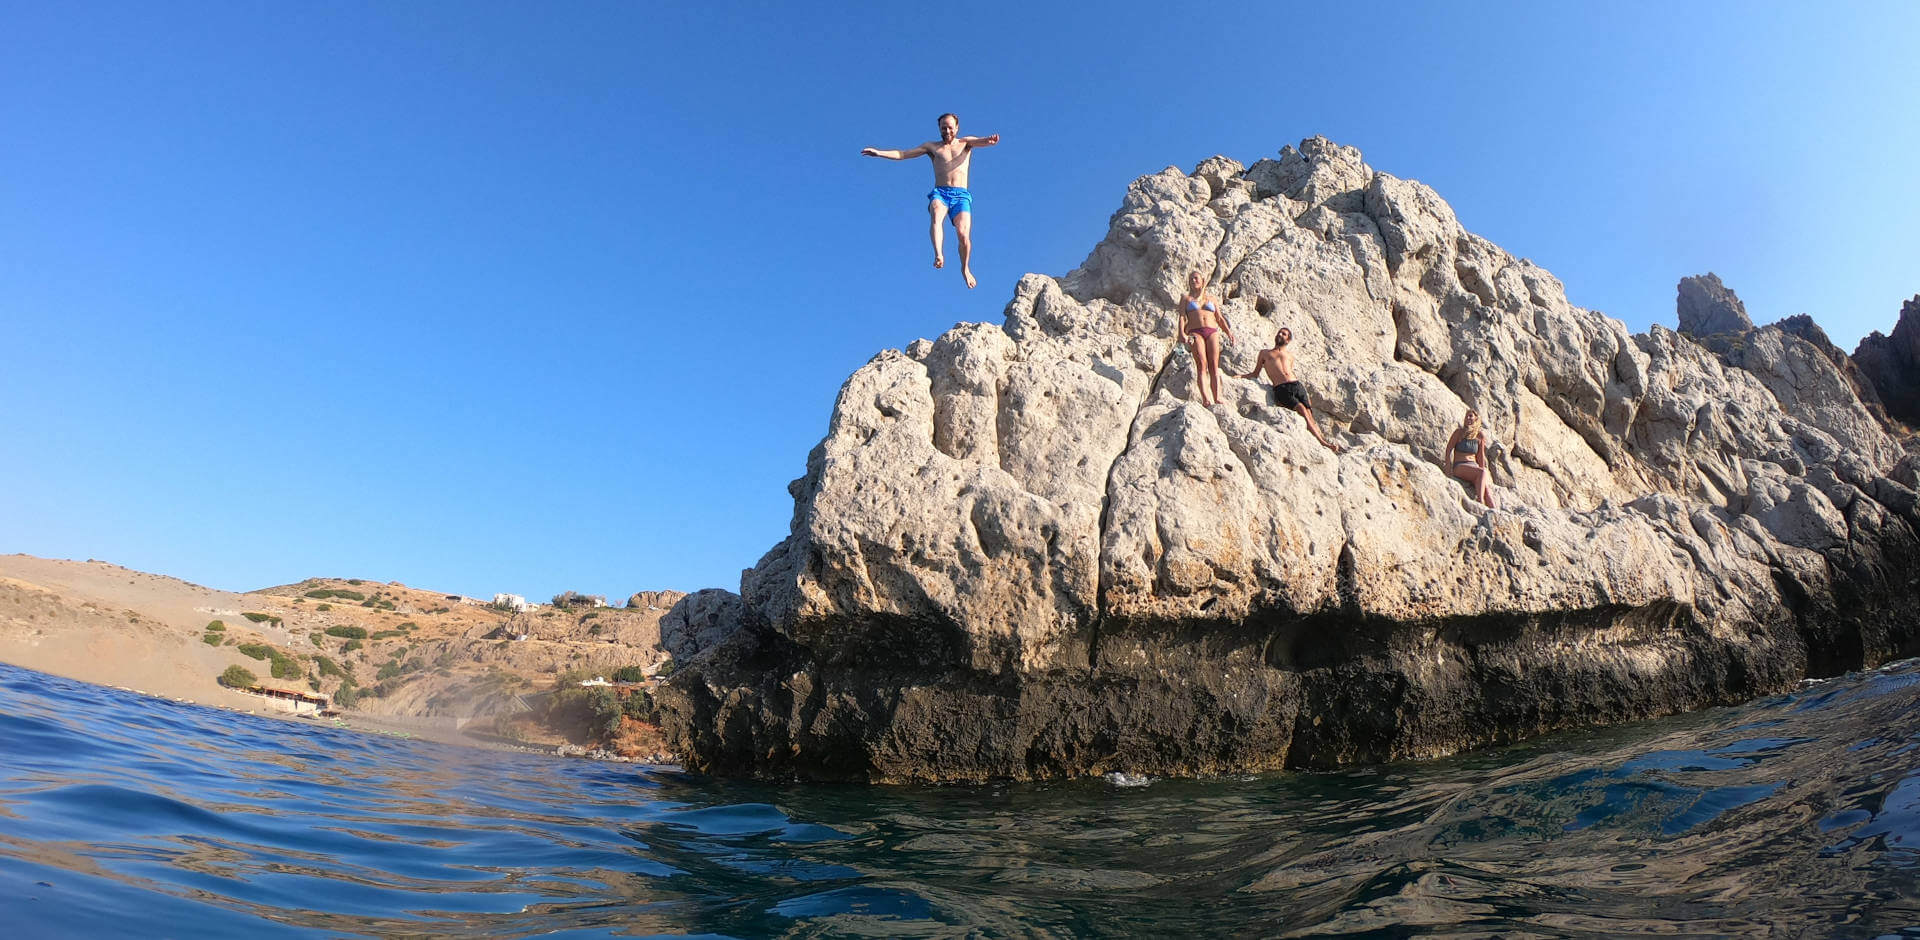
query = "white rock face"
{"x": 1009, "y": 500}
{"x": 1007, "y": 477}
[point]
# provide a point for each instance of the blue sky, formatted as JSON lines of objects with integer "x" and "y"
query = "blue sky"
{"x": 530, "y": 297}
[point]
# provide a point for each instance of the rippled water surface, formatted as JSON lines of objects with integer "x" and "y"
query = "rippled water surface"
{"x": 123, "y": 815}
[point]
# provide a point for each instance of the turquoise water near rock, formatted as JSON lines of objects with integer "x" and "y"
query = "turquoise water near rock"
{"x": 122, "y": 815}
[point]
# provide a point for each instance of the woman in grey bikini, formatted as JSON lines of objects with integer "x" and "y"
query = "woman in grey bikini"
{"x": 1200, "y": 323}
{"x": 1467, "y": 457}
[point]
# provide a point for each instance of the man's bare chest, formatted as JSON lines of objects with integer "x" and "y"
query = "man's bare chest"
{"x": 947, "y": 157}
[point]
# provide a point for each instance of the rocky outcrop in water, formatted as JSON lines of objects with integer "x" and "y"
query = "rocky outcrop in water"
{"x": 1025, "y": 551}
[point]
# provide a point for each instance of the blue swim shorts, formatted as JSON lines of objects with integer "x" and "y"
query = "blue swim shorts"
{"x": 956, "y": 198}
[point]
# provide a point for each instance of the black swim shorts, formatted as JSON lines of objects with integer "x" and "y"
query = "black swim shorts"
{"x": 1289, "y": 395}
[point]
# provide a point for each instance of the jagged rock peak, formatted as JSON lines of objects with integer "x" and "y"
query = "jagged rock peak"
{"x": 1707, "y": 306}
{"x": 1802, "y": 326}
{"x": 1892, "y": 364}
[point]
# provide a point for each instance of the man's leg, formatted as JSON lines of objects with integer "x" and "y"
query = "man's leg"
{"x": 1307, "y": 413}
{"x": 963, "y": 228}
{"x": 938, "y": 210}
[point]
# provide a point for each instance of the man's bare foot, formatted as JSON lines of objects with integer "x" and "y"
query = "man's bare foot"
{"x": 969, "y": 274}
{"x": 1333, "y": 447}
{"x": 939, "y": 262}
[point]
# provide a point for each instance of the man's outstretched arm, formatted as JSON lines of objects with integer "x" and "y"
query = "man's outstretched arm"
{"x": 919, "y": 151}
{"x": 986, "y": 141}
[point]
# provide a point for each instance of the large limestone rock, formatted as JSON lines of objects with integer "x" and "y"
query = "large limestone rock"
{"x": 1802, "y": 326}
{"x": 1026, "y": 551}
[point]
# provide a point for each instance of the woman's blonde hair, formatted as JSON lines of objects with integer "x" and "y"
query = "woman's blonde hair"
{"x": 1471, "y": 423}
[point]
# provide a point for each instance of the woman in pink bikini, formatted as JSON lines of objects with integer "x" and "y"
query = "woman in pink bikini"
{"x": 1201, "y": 324}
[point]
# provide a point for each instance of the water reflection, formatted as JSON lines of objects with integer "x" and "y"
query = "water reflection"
{"x": 121, "y": 815}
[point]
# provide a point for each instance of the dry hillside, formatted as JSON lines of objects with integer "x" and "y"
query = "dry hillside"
{"x": 400, "y": 656}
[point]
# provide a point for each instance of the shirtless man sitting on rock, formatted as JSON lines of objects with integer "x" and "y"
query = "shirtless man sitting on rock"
{"x": 1277, "y": 363}
{"x": 951, "y": 155}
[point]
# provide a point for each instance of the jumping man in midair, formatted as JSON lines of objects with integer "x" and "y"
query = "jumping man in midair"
{"x": 950, "y": 154}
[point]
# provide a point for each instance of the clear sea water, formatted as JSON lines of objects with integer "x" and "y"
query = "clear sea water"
{"x": 122, "y": 815}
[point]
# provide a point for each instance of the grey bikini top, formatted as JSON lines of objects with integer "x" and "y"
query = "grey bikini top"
{"x": 1468, "y": 446}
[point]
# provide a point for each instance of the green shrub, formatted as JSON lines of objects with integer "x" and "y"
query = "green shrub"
{"x": 385, "y": 634}
{"x": 256, "y": 650}
{"x": 629, "y": 674}
{"x": 211, "y": 639}
{"x": 351, "y": 633}
{"x": 286, "y": 667}
{"x": 313, "y": 684}
{"x": 387, "y": 671}
{"x": 639, "y": 707}
{"x": 315, "y": 638}
{"x": 589, "y": 615}
{"x": 237, "y": 677}
{"x": 596, "y": 711}
{"x": 345, "y": 696}
{"x": 350, "y": 646}
{"x": 343, "y": 594}
{"x": 409, "y": 625}
{"x": 594, "y": 630}
{"x": 606, "y": 712}
{"x": 666, "y": 669}
{"x": 215, "y": 626}
{"x": 328, "y": 667}
{"x": 356, "y": 582}
{"x": 258, "y": 617}
{"x": 323, "y": 607}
